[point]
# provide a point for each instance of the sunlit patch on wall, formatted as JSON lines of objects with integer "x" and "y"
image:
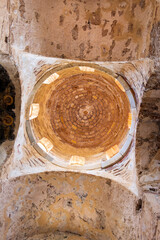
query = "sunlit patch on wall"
{"x": 86, "y": 69}
{"x": 45, "y": 144}
{"x": 51, "y": 78}
{"x": 76, "y": 160}
{"x": 34, "y": 110}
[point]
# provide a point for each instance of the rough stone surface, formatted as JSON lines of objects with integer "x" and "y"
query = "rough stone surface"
{"x": 57, "y": 236}
{"x": 148, "y": 131}
{"x": 89, "y": 206}
{"x": 149, "y": 221}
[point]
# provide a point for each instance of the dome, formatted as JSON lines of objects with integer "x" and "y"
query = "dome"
{"x": 80, "y": 115}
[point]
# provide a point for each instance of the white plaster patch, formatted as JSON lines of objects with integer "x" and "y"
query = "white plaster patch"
{"x": 77, "y": 160}
{"x": 51, "y": 78}
{"x": 87, "y": 69}
{"x": 34, "y": 110}
{"x": 45, "y": 144}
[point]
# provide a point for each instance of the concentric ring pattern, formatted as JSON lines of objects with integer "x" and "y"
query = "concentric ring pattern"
{"x": 86, "y": 111}
{"x": 81, "y": 112}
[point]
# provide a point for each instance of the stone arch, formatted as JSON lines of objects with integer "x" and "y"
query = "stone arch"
{"x": 76, "y": 203}
{"x": 84, "y": 30}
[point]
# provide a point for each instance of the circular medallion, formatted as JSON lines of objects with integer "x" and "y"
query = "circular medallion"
{"x": 79, "y": 115}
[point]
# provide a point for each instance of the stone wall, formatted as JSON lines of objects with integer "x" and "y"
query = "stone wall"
{"x": 148, "y": 132}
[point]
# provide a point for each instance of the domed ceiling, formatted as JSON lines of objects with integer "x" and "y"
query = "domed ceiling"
{"x": 80, "y": 115}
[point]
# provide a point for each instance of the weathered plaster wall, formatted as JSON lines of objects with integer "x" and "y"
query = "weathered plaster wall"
{"x": 4, "y": 26}
{"x": 89, "y": 206}
{"x": 88, "y": 30}
{"x": 150, "y": 217}
{"x": 154, "y": 50}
